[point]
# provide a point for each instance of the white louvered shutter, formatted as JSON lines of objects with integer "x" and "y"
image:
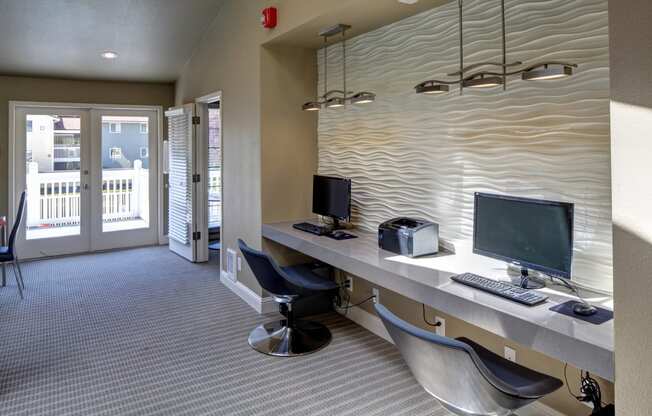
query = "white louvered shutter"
{"x": 181, "y": 160}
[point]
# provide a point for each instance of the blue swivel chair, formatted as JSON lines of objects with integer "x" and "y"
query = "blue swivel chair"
{"x": 288, "y": 337}
{"x": 466, "y": 378}
{"x": 8, "y": 253}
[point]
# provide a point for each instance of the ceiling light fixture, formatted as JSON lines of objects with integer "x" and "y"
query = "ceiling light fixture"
{"x": 335, "y": 102}
{"x": 548, "y": 71}
{"x": 431, "y": 87}
{"x": 488, "y": 79}
{"x": 337, "y": 98}
{"x": 363, "y": 98}
{"x": 109, "y": 55}
{"x": 481, "y": 81}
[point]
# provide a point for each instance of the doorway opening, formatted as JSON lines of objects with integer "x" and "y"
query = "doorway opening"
{"x": 214, "y": 165}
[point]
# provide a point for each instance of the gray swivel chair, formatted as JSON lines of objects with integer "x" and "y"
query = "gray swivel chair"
{"x": 466, "y": 378}
{"x": 8, "y": 253}
{"x": 287, "y": 337}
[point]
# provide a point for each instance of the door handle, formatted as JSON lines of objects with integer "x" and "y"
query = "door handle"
{"x": 85, "y": 172}
{"x": 86, "y": 186}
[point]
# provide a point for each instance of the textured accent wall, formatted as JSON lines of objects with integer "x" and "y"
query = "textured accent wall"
{"x": 425, "y": 156}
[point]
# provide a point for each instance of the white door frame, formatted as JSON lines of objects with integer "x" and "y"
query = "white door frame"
{"x": 11, "y": 165}
{"x": 202, "y": 140}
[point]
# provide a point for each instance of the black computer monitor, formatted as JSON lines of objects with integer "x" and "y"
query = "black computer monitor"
{"x": 331, "y": 197}
{"x": 535, "y": 234}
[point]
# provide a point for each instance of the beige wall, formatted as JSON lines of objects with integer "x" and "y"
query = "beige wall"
{"x": 228, "y": 59}
{"x": 269, "y": 145}
{"x": 630, "y": 31}
{"x": 14, "y": 88}
{"x": 289, "y": 135}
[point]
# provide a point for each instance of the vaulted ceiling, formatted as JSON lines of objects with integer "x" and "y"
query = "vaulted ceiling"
{"x": 64, "y": 38}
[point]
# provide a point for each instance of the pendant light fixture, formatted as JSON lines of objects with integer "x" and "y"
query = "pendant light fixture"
{"x": 337, "y": 98}
{"x": 489, "y": 79}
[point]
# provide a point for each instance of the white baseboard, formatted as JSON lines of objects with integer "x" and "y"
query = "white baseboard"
{"x": 368, "y": 321}
{"x": 373, "y": 324}
{"x": 258, "y": 303}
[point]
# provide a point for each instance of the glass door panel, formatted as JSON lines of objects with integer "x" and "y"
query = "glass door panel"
{"x": 50, "y": 165}
{"x": 125, "y": 173}
{"x": 125, "y": 178}
{"x": 53, "y": 179}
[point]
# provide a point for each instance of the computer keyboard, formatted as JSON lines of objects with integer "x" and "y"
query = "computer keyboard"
{"x": 312, "y": 228}
{"x": 511, "y": 292}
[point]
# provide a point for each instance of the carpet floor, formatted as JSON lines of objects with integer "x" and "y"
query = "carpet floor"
{"x": 143, "y": 332}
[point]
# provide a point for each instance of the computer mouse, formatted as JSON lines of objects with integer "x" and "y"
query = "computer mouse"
{"x": 338, "y": 233}
{"x": 584, "y": 309}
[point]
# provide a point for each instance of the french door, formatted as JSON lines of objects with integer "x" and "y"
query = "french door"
{"x": 91, "y": 177}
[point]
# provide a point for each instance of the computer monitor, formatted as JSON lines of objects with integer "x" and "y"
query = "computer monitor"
{"x": 331, "y": 197}
{"x": 535, "y": 234}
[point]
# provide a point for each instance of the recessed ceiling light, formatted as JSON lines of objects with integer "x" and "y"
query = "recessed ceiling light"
{"x": 408, "y": 1}
{"x": 109, "y": 55}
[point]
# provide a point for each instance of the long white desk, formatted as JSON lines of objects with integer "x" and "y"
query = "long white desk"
{"x": 427, "y": 280}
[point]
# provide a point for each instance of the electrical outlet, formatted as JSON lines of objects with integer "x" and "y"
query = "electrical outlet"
{"x": 348, "y": 283}
{"x": 376, "y": 293}
{"x": 441, "y": 329}
{"x": 239, "y": 263}
{"x": 510, "y": 353}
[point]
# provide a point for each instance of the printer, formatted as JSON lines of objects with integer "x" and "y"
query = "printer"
{"x": 409, "y": 236}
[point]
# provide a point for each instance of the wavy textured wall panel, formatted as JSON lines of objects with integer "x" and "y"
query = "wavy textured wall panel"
{"x": 426, "y": 156}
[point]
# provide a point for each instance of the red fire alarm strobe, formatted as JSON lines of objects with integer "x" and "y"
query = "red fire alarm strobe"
{"x": 270, "y": 18}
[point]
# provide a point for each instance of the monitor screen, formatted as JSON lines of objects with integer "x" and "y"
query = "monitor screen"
{"x": 331, "y": 197}
{"x": 534, "y": 233}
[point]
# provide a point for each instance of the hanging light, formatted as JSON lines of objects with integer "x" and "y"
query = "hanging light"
{"x": 548, "y": 71}
{"x": 312, "y": 106}
{"x": 363, "y": 98}
{"x": 481, "y": 81}
{"x": 431, "y": 87}
{"x": 487, "y": 79}
{"x": 335, "y": 102}
{"x": 337, "y": 98}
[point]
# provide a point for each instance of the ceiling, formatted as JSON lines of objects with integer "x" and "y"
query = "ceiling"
{"x": 64, "y": 38}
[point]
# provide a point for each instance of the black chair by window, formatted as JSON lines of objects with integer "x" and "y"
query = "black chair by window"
{"x": 8, "y": 252}
{"x": 465, "y": 377}
{"x": 287, "y": 337}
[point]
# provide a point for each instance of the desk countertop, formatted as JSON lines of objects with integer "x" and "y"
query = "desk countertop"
{"x": 427, "y": 280}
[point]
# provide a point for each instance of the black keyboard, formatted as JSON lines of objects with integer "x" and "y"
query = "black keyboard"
{"x": 511, "y": 292}
{"x": 312, "y": 228}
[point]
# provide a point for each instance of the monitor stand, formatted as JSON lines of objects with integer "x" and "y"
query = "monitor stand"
{"x": 527, "y": 283}
{"x": 336, "y": 224}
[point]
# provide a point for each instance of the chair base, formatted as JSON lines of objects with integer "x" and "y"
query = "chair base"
{"x": 279, "y": 340}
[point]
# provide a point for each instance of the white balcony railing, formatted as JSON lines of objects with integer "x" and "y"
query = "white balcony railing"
{"x": 53, "y": 198}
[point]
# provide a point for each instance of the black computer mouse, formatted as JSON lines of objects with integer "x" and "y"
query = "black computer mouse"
{"x": 584, "y": 309}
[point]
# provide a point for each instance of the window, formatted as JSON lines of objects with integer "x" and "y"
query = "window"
{"x": 58, "y": 166}
{"x": 29, "y": 126}
{"x": 115, "y": 153}
{"x": 144, "y": 152}
{"x": 115, "y": 128}
{"x": 144, "y": 129}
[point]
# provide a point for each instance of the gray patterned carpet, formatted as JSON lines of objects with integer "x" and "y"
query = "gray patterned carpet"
{"x": 143, "y": 332}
